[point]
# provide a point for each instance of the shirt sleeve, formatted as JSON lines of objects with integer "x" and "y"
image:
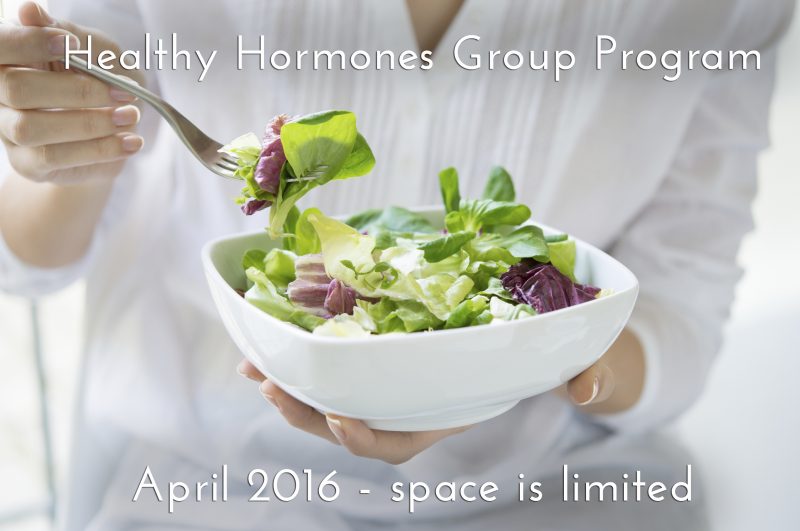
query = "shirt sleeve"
{"x": 683, "y": 245}
{"x": 122, "y": 21}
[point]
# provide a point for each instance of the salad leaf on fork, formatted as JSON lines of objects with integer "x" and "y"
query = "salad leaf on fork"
{"x": 295, "y": 157}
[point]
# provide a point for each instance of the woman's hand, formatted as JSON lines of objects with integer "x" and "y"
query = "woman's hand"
{"x": 67, "y": 136}
{"x": 59, "y": 126}
{"x": 390, "y": 446}
{"x": 611, "y": 385}
{"x": 614, "y": 383}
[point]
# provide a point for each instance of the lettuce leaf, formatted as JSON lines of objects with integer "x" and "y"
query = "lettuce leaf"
{"x": 399, "y": 316}
{"x": 400, "y": 273}
{"x": 305, "y": 239}
{"x": 474, "y": 215}
{"x": 495, "y": 290}
{"x": 264, "y": 295}
{"x": 278, "y": 265}
{"x": 525, "y": 242}
{"x": 499, "y": 186}
{"x": 448, "y": 185}
{"x": 389, "y": 224}
{"x": 506, "y": 311}
{"x": 468, "y": 312}
{"x": 246, "y": 149}
{"x": 394, "y": 219}
{"x": 484, "y": 272}
{"x": 254, "y": 258}
{"x": 562, "y": 256}
{"x": 345, "y": 252}
{"x": 448, "y": 245}
{"x": 341, "y": 326}
{"x": 317, "y": 149}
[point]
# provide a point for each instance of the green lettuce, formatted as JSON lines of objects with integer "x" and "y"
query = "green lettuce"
{"x": 506, "y": 311}
{"x": 399, "y": 273}
{"x": 474, "y": 215}
{"x": 246, "y": 149}
{"x": 318, "y": 148}
{"x": 393, "y": 219}
{"x": 304, "y": 239}
{"x": 399, "y": 316}
{"x": 448, "y": 185}
{"x": 343, "y": 325}
{"x": 264, "y": 295}
{"x": 446, "y": 246}
{"x": 495, "y": 289}
{"x": 525, "y": 242}
{"x": 499, "y": 186}
{"x": 389, "y": 224}
{"x": 469, "y": 313}
{"x": 254, "y": 258}
{"x": 562, "y": 256}
{"x": 279, "y": 267}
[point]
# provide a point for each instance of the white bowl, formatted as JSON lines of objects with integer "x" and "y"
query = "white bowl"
{"x": 425, "y": 380}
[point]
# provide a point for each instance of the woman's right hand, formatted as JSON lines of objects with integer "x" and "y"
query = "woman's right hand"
{"x": 59, "y": 126}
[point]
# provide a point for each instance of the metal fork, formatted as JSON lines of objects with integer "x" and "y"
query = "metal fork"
{"x": 201, "y": 146}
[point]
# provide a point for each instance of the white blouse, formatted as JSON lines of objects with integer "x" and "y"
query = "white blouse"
{"x": 661, "y": 174}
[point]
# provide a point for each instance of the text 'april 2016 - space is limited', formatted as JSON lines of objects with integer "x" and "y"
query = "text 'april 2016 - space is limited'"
{"x": 287, "y": 485}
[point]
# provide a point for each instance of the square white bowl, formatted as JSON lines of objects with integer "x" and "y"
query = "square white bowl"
{"x": 425, "y": 380}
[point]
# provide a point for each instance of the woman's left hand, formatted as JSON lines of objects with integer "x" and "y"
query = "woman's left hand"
{"x": 390, "y": 446}
{"x": 614, "y": 383}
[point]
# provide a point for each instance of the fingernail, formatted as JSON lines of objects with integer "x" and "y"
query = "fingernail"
{"x": 57, "y": 44}
{"x": 595, "y": 392}
{"x": 132, "y": 143}
{"x": 336, "y": 427}
{"x": 271, "y": 400}
{"x": 240, "y": 368}
{"x": 264, "y": 388}
{"x": 127, "y": 115}
{"x": 121, "y": 95}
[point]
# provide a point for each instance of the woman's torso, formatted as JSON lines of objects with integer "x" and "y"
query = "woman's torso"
{"x": 586, "y": 153}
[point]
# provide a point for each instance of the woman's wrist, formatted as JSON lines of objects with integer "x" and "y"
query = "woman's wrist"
{"x": 47, "y": 225}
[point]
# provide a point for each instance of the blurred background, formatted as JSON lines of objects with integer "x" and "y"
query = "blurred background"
{"x": 743, "y": 433}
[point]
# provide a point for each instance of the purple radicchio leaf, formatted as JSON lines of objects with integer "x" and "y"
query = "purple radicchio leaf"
{"x": 311, "y": 267}
{"x": 268, "y": 170}
{"x": 309, "y": 296}
{"x": 340, "y": 298}
{"x": 315, "y": 292}
{"x": 254, "y": 205}
{"x": 544, "y": 287}
{"x": 309, "y": 289}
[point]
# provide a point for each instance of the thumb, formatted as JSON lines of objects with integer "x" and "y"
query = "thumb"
{"x": 592, "y": 386}
{"x": 32, "y": 14}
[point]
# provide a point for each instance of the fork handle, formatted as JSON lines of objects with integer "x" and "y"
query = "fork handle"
{"x": 124, "y": 83}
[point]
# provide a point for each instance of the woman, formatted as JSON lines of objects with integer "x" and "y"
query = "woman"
{"x": 661, "y": 174}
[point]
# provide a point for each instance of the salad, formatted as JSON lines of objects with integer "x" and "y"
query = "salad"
{"x": 390, "y": 270}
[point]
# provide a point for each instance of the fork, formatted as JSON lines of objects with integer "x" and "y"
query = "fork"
{"x": 205, "y": 149}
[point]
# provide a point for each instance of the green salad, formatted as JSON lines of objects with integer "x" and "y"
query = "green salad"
{"x": 390, "y": 270}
